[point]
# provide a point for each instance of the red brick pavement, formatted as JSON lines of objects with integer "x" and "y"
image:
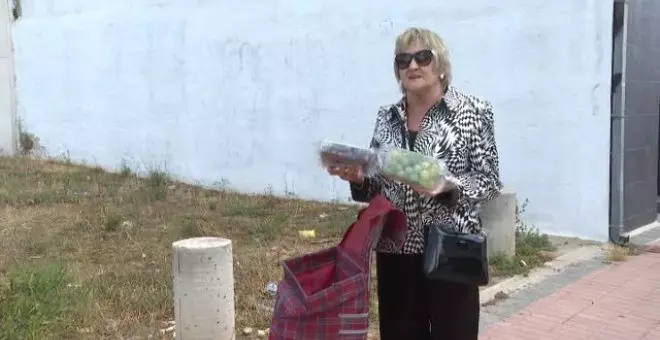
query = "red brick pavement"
{"x": 619, "y": 302}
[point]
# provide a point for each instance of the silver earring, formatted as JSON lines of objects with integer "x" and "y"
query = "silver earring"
{"x": 442, "y": 76}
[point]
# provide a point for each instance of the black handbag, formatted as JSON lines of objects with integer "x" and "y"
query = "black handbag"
{"x": 456, "y": 257}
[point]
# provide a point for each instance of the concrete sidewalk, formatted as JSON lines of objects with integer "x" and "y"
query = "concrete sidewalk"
{"x": 620, "y": 301}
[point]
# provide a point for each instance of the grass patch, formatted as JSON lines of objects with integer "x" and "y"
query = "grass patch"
{"x": 532, "y": 249}
{"x": 109, "y": 235}
{"x": 37, "y": 302}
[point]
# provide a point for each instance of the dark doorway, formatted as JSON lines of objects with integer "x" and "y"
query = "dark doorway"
{"x": 635, "y": 161}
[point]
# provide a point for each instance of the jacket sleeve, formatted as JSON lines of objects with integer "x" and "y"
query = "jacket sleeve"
{"x": 482, "y": 182}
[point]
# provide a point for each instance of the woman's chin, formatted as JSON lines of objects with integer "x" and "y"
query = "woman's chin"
{"x": 417, "y": 88}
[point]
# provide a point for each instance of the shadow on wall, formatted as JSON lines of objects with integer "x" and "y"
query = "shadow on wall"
{"x": 16, "y": 9}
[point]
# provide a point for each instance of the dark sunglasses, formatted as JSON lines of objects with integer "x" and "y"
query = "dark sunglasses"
{"x": 422, "y": 58}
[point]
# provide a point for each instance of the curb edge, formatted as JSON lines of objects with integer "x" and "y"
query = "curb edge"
{"x": 551, "y": 268}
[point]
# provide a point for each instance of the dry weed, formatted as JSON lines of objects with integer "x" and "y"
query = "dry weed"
{"x": 616, "y": 253}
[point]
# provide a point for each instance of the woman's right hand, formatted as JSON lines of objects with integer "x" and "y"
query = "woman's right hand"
{"x": 347, "y": 173}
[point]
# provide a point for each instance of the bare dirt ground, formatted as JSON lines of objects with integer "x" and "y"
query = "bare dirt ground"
{"x": 567, "y": 244}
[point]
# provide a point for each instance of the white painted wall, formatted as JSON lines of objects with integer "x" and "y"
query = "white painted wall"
{"x": 217, "y": 91}
{"x": 8, "y": 126}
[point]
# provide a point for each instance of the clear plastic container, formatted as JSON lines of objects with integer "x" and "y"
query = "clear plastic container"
{"x": 413, "y": 168}
{"x": 339, "y": 154}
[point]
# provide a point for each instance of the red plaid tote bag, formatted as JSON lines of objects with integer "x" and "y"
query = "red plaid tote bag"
{"x": 325, "y": 295}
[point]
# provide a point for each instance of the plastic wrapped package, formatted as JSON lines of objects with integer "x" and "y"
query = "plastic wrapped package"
{"x": 339, "y": 154}
{"x": 413, "y": 168}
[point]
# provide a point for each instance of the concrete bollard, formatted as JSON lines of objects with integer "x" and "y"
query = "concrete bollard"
{"x": 499, "y": 220}
{"x": 203, "y": 289}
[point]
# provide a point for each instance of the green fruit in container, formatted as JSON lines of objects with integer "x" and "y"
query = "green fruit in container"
{"x": 413, "y": 167}
{"x": 426, "y": 175}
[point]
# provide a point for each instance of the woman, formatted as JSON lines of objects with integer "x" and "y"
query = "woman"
{"x": 435, "y": 119}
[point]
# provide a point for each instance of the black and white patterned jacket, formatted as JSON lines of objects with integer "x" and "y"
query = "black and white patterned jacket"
{"x": 459, "y": 130}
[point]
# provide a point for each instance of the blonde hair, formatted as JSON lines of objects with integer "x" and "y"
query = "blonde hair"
{"x": 430, "y": 40}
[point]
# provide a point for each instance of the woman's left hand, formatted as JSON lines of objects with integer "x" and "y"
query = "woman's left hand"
{"x": 444, "y": 186}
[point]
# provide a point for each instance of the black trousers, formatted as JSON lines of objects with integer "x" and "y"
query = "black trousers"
{"x": 414, "y": 307}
